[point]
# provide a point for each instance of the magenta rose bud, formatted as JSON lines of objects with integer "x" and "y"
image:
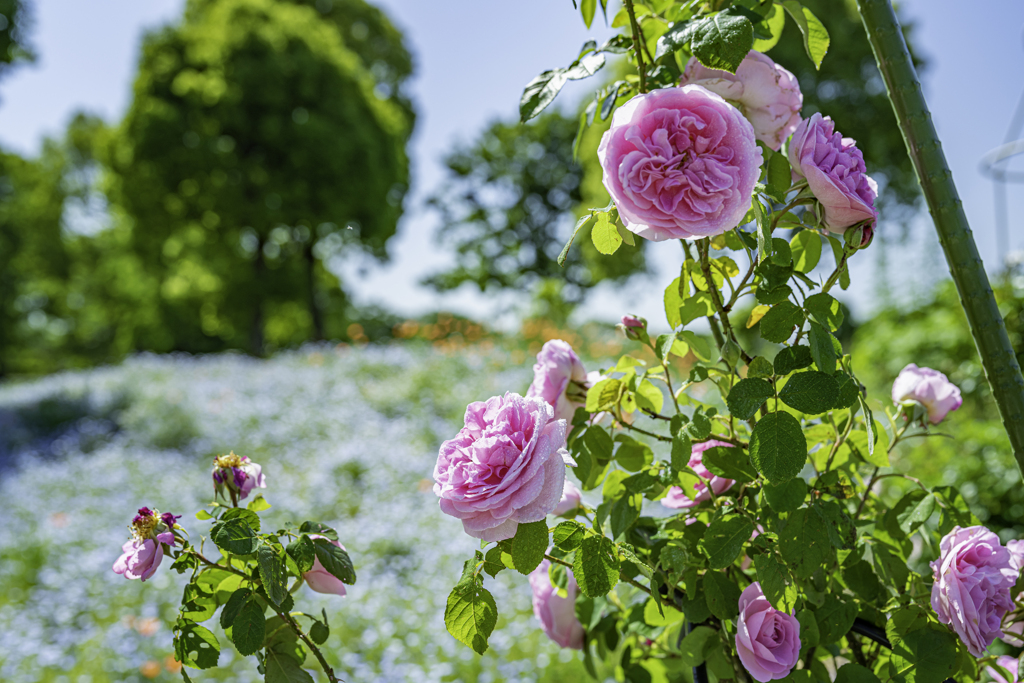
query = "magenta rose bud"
{"x": 321, "y": 580}
{"x": 142, "y": 555}
{"x": 677, "y": 499}
{"x": 1008, "y": 663}
{"x": 560, "y": 379}
{"x": 767, "y": 640}
{"x": 973, "y": 578}
{"x": 680, "y": 163}
{"x": 835, "y": 173}
{"x": 505, "y": 466}
{"x": 570, "y": 500}
{"x": 237, "y": 474}
{"x": 557, "y": 614}
{"x": 767, "y": 94}
{"x": 930, "y": 388}
{"x": 631, "y": 321}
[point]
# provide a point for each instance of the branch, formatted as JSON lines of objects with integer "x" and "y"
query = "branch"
{"x": 637, "y": 45}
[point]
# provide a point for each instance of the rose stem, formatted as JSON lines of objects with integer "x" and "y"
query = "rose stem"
{"x": 637, "y": 48}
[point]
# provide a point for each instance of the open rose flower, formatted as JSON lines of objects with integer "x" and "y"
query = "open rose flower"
{"x": 560, "y": 379}
{"x": 1008, "y": 663}
{"x": 767, "y": 640}
{"x": 237, "y": 474}
{"x": 677, "y": 499}
{"x": 506, "y": 466}
{"x": 680, "y": 163}
{"x": 930, "y": 388}
{"x": 557, "y": 614}
{"x": 835, "y": 173}
{"x": 142, "y": 555}
{"x": 973, "y": 578}
{"x": 321, "y": 580}
{"x": 570, "y": 500}
{"x": 767, "y": 94}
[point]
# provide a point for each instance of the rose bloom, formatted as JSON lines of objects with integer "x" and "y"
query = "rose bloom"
{"x": 680, "y": 163}
{"x": 557, "y": 614}
{"x": 676, "y": 498}
{"x": 930, "y": 388}
{"x": 1013, "y": 626}
{"x": 506, "y": 466}
{"x": 560, "y": 379}
{"x": 321, "y": 580}
{"x": 632, "y": 321}
{"x": 237, "y": 473}
{"x": 767, "y": 94}
{"x": 767, "y": 640}
{"x": 570, "y": 499}
{"x": 142, "y": 555}
{"x": 973, "y": 578}
{"x": 1008, "y": 663}
{"x": 835, "y": 173}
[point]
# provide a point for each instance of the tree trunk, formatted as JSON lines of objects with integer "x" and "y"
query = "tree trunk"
{"x": 315, "y": 314}
{"x": 256, "y": 346}
{"x": 997, "y": 355}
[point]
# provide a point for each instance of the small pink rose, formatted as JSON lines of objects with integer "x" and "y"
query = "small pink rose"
{"x": 560, "y": 379}
{"x": 632, "y": 321}
{"x": 321, "y": 580}
{"x": 571, "y": 497}
{"x": 930, "y": 388}
{"x": 557, "y": 614}
{"x": 767, "y": 640}
{"x": 677, "y": 499}
{"x": 1008, "y": 663}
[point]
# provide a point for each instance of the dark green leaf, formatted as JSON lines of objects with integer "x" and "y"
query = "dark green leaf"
{"x": 861, "y": 579}
{"x": 335, "y": 560}
{"x": 778, "y": 448}
{"x": 682, "y": 448}
{"x": 855, "y": 673}
{"x": 731, "y": 463}
{"x": 248, "y": 628}
{"x": 786, "y": 497}
{"x": 722, "y": 594}
{"x": 776, "y": 582}
{"x": 724, "y": 539}
{"x": 700, "y": 426}
{"x": 596, "y": 566}
{"x": 822, "y": 350}
{"x": 694, "y": 647}
{"x": 835, "y": 617}
{"x": 722, "y": 40}
{"x": 760, "y": 367}
{"x": 234, "y": 536}
{"x": 319, "y": 632}
{"x": 568, "y": 535}
{"x": 540, "y": 92}
{"x": 804, "y": 542}
{"x": 825, "y": 310}
{"x": 301, "y": 550}
{"x": 810, "y": 392}
{"x": 282, "y": 668}
{"x": 529, "y": 545}
{"x": 248, "y": 516}
{"x": 624, "y": 514}
{"x": 849, "y": 390}
{"x": 233, "y": 606}
{"x": 319, "y": 529}
{"x": 791, "y": 359}
{"x": 272, "y": 572}
{"x": 747, "y": 396}
{"x": 916, "y": 513}
{"x": 927, "y": 655}
{"x": 781, "y": 254}
{"x": 779, "y": 322}
{"x": 195, "y": 646}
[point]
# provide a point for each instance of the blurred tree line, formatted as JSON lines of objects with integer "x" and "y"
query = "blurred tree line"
{"x": 264, "y": 138}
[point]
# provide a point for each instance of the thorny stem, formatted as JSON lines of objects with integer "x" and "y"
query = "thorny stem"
{"x": 703, "y": 247}
{"x": 637, "y": 45}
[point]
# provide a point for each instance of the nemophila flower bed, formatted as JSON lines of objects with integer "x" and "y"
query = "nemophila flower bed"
{"x": 344, "y": 438}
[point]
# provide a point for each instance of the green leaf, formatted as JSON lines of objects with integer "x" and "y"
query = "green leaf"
{"x": 861, "y": 579}
{"x": 724, "y": 540}
{"x": 780, "y": 176}
{"x": 585, "y": 67}
{"x": 804, "y": 542}
{"x": 731, "y": 463}
{"x": 471, "y": 614}
{"x": 825, "y": 310}
{"x": 776, "y": 20}
{"x": 816, "y": 40}
{"x": 233, "y": 606}
{"x": 722, "y": 594}
{"x": 282, "y": 668}
{"x": 197, "y": 604}
{"x": 781, "y": 255}
{"x": 203, "y": 515}
{"x": 579, "y": 226}
{"x": 927, "y": 655}
{"x": 258, "y": 504}
{"x": 672, "y": 303}
{"x": 633, "y": 455}
{"x": 722, "y": 40}
{"x": 248, "y": 516}
{"x": 273, "y": 572}
{"x": 624, "y": 514}
{"x": 195, "y": 646}
{"x": 234, "y": 536}
{"x": 587, "y": 9}
{"x": 775, "y": 581}
{"x": 810, "y": 392}
{"x": 822, "y": 350}
{"x": 810, "y": 636}
{"x": 248, "y": 628}
{"x": 649, "y": 396}
{"x": 529, "y": 545}
{"x": 603, "y": 395}
{"x": 699, "y": 427}
{"x": 916, "y": 513}
{"x": 835, "y": 618}
{"x": 540, "y": 92}
{"x": 791, "y": 359}
{"x": 302, "y": 551}
{"x": 779, "y": 322}
{"x": 747, "y": 396}
{"x": 700, "y": 305}
{"x": 319, "y": 529}
{"x": 569, "y": 535}
{"x": 760, "y": 367}
{"x": 335, "y": 560}
{"x": 694, "y": 647}
{"x": 596, "y": 566}
{"x": 806, "y": 247}
{"x": 319, "y": 631}
{"x": 698, "y": 345}
{"x": 653, "y": 615}
{"x": 605, "y": 236}
{"x": 778, "y": 448}
{"x": 786, "y": 497}
{"x": 855, "y": 673}
{"x": 682, "y": 449}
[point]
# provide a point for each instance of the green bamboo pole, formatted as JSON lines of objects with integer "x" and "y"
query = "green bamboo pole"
{"x": 997, "y": 356}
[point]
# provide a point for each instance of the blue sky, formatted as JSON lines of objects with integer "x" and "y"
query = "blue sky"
{"x": 473, "y": 58}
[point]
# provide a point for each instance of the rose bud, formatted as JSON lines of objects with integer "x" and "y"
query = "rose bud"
{"x": 141, "y": 556}
{"x": 930, "y": 388}
{"x": 557, "y": 614}
{"x": 237, "y": 475}
{"x": 321, "y": 580}
{"x": 560, "y": 379}
{"x": 571, "y": 497}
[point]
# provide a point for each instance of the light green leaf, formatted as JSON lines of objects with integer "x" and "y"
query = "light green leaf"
{"x": 825, "y": 310}
{"x": 258, "y": 504}
{"x": 780, "y": 176}
{"x": 579, "y": 226}
{"x": 471, "y": 614}
{"x": 649, "y": 396}
{"x": 603, "y": 395}
{"x": 606, "y": 238}
{"x": 587, "y": 9}
{"x": 776, "y": 20}
{"x": 540, "y": 92}
{"x": 806, "y": 247}
{"x": 816, "y": 40}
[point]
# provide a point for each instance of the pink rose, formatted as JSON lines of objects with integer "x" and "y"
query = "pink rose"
{"x": 973, "y": 578}
{"x": 835, "y": 173}
{"x": 506, "y": 466}
{"x": 680, "y": 163}
{"x": 321, "y": 580}
{"x": 767, "y": 94}
{"x": 560, "y": 379}
{"x": 767, "y": 640}
{"x": 557, "y": 614}
{"x": 1013, "y": 626}
{"x": 1008, "y": 663}
{"x": 677, "y": 499}
{"x": 928, "y": 387}
{"x": 632, "y": 321}
{"x": 141, "y": 556}
{"x": 570, "y": 499}
{"x": 238, "y": 474}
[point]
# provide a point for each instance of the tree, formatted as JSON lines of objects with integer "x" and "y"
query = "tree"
{"x": 257, "y": 142}
{"x": 14, "y": 48}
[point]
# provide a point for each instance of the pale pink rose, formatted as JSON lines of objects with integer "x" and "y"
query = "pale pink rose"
{"x": 321, "y": 580}
{"x": 557, "y": 614}
{"x": 767, "y": 640}
{"x": 237, "y": 473}
{"x": 677, "y": 499}
{"x": 1008, "y": 663}
{"x": 930, "y": 388}
{"x": 973, "y": 577}
{"x": 141, "y": 556}
{"x": 560, "y": 379}
{"x": 1013, "y": 626}
{"x": 506, "y": 466}
{"x": 835, "y": 173}
{"x": 680, "y": 163}
{"x": 571, "y": 497}
{"x": 767, "y": 94}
